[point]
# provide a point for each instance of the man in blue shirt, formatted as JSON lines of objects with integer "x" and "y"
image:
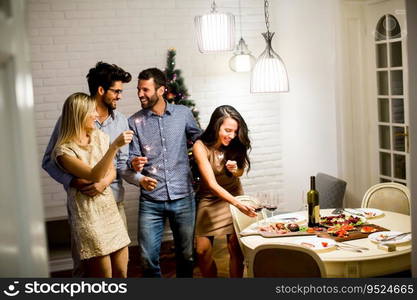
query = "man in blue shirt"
{"x": 105, "y": 83}
{"x": 161, "y": 131}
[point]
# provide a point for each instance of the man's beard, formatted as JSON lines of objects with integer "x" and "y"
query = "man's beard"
{"x": 109, "y": 105}
{"x": 150, "y": 102}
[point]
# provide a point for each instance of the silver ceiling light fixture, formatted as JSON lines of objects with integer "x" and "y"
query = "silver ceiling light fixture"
{"x": 242, "y": 60}
{"x": 269, "y": 74}
{"x": 215, "y": 31}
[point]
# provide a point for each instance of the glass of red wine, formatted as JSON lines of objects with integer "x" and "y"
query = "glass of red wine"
{"x": 258, "y": 210}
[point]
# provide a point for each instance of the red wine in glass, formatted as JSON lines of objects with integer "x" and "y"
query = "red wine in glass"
{"x": 258, "y": 208}
{"x": 271, "y": 207}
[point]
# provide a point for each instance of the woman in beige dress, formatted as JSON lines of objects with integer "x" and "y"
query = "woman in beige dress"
{"x": 221, "y": 154}
{"x": 101, "y": 238}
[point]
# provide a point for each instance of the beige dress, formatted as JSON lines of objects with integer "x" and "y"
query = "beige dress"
{"x": 95, "y": 221}
{"x": 213, "y": 214}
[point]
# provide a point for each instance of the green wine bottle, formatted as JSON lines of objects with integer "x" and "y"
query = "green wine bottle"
{"x": 313, "y": 204}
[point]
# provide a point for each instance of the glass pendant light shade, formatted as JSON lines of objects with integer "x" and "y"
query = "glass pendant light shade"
{"x": 215, "y": 31}
{"x": 242, "y": 60}
{"x": 269, "y": 73}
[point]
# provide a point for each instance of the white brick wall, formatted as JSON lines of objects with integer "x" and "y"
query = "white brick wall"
{"x": 69, "y": 37}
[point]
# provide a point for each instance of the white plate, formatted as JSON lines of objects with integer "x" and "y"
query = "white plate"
{"x": 371, "y": 212}
{"x": 376, "y": 237}
{"x": 316, "y": 243}
{"x": 288, "y": 218}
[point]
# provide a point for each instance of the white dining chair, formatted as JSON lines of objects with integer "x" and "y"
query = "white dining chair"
{"x": 285, "y": 260}
{"x": 389, "y": 196}
{"x": 241, "y": 221}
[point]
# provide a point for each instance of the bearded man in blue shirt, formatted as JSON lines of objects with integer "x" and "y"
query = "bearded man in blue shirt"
{"x": 159, "y": 146}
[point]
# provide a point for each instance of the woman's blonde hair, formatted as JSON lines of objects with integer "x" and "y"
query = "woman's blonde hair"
{"x": 75, "y": 111}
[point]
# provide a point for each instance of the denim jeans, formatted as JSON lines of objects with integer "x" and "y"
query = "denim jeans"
{"x": 181, "y": 216}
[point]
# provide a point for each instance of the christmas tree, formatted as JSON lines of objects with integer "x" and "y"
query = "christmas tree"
{"x": 176, "y": 92}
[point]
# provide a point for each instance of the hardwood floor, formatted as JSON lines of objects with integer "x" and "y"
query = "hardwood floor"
{"x": 167, "y": 261}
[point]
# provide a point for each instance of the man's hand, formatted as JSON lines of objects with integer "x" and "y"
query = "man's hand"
{"x": 94, "y": 189}
{"x": 80, "y": 183}
{"x": 148, "y": 183}
{"x": 138, "y": 163}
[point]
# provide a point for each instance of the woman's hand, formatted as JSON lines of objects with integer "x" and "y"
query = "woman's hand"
{"x": 139, "y": 162}
{"x": 231, "y": 166}
{"x": 123, "y": 139}
{"x": 246, "y": 209}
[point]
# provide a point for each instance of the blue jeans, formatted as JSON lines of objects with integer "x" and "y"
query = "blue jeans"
{"x": 152, "y": 215}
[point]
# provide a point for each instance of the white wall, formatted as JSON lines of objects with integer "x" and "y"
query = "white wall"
{"x": 306, "y": 39}
{"x": 69, "y": 37}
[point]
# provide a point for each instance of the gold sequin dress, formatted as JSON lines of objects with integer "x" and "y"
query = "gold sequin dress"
{"x": 95, "y": 221}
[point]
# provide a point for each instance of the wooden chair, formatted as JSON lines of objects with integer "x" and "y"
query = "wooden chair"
{"x": 388, "y": 196}
{"x": 285, "y": 260}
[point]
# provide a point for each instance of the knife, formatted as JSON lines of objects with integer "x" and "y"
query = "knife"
{"x": 355, "y": 212}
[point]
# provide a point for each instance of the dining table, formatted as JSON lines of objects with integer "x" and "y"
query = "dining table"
{"x": 343, "y": 263}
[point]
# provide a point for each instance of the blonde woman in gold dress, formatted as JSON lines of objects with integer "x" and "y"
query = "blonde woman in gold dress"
{"x": 221, "y": 154}
{"x": 100, "y": 236}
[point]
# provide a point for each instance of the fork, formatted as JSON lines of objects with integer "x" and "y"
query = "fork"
{"x": 353, "y": 246}
{"x": 339, "y": 247}
{"x": 394, "y": 237}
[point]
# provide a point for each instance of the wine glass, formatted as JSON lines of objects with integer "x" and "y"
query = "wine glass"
{"x": 259, "y": 207}
{"x": 271, "y": 204}
{"x": 304, "y": 203}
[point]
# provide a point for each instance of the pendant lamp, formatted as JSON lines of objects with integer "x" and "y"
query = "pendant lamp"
{"x": 242, "y": 60}
{"x": 269, "y": 74}
{"x": 215, "y": 31}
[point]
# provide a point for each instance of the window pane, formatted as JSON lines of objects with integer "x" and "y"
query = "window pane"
{"x": 385, "y": 163}
{"x": 399, "y": 166}
{"x": 397, "y": 110}
{"x": 382, "y": 83}
{"x": 381, "y": 32}
{"x": 398, "y": 138}
{"x": 396, "y": 54}
{"x": 393, "y": 27}
{"x": 382, "y": 180}
{"x": 384, "y": 137}
{"x": 381, "y": 56}
{"x": 397, "y": 82}
{"x": 383, "y": 110}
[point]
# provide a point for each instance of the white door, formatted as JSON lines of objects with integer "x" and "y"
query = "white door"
{"x": 387, "y": 93}
{"x": 22, "y": 246}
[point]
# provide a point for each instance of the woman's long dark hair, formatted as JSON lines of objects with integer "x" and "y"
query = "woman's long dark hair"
{"x": 240, "y": 146}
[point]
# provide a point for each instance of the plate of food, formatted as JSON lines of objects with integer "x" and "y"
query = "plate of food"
{"x": 316, "y": 243}
{"x": 342, "y": 219}
{"x": 288, "y": 218}
{"x": 390, "y": 237}
{"x": 370, "y": 213}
